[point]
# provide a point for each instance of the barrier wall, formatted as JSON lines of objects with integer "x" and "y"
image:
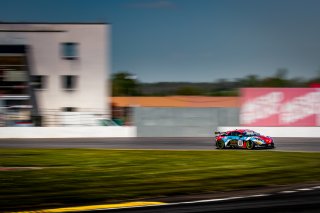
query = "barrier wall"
{"x": 304, "y": 132}
{"x": 67, "y": 132}
{"x": 105, "y": 132}
{"x": 183, "y": 122}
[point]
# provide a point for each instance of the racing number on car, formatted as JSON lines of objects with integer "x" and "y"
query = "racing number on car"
{"x": 240, "y": 143}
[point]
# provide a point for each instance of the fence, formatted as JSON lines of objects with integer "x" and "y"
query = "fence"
{"x": 83, "y": 118}
{"x": 183, "y": 122}
{"x": 86, "y": 117}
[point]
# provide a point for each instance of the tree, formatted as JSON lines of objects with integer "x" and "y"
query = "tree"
{"x": 250, "y": 81}
{"x": 124, "y": 84}
{"x": 189, "y": 90}
{"x": 281, "y": 73}
{"x": 279, "y": 80}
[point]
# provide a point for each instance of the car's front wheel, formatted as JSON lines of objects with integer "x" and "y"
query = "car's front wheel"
{"x": 220, "y": 144}
{"x": 250, "y": 145}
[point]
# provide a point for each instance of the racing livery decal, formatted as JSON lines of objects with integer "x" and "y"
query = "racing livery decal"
{"x": 242, "y": 138}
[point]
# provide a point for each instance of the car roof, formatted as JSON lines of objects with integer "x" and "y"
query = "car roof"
{"x": 240, "y": 130}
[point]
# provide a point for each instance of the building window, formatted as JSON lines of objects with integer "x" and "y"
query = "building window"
{"x": 69, "y": 109}
{"x": 70, "y": 50}
{"x": 69, "y": 82}
{"x": 39, "y": 81}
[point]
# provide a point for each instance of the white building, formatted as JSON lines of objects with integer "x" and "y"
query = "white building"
{"x": 66, "y": 65}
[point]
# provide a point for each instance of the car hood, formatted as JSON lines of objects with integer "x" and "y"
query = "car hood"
{"x": 266, "y": 139}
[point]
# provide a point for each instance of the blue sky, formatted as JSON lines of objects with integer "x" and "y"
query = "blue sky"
{"x": 194, "y": 40}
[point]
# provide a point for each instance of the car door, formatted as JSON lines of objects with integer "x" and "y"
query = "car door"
{"x": 234, "y": 138}
{"x": 241, "y": 138}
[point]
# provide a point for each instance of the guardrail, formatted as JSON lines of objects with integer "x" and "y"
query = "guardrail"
{"x": 88, "y": 117}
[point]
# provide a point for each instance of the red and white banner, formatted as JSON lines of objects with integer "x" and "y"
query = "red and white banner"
{"x": 280, "y": 107}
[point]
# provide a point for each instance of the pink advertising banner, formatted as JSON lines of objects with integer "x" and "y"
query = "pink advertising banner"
{"x": 280, "y": 107}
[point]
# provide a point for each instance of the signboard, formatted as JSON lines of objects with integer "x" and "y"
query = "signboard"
{"x": 280, "y": 107}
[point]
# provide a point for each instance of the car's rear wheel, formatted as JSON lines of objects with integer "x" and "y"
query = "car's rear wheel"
{"x": 220, "y": 144}
{"x": 250, "y": 145}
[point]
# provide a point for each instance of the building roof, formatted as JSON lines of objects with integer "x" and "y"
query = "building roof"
{"x": 176, "y": 101}
{"x": 71, "y": 23}
{"x": 45, "y": 27}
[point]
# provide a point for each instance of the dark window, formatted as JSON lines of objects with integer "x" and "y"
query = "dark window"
{"x": 69, "y": 109}
{"x": 39, "y": 81}
{"x": 70, "y": 50}
{"x": 69, "y": 82}
{"x": 234, "y": 133}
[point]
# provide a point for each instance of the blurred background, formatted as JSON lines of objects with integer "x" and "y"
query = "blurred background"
{"x": 114, "y": 90}
{"x": 110, "y": 62}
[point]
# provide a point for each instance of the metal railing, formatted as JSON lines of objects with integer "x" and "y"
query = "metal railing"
{"x": 85, "y": 117}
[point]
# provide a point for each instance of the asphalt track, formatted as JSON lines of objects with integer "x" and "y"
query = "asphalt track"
{"x": 282, "y": 144}
{"x": 305, "y": 200}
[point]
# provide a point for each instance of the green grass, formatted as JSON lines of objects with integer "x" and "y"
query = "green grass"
{"x": 81, "y": 176}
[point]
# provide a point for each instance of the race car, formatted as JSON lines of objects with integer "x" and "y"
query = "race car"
{"x": 242, "y": 138}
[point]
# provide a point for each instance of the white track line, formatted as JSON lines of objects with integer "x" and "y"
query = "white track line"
{"x": 205, "y": 201}
{"x": 197, "y": 201}
{"x": 287, "y": 192}
{"x": 227, "y": 198}
{"x": 259, "y": 195}
{"x": 217, "y": 199}
{"x": 305, "y": 189}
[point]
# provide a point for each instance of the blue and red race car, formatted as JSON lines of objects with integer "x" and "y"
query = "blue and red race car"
{"x": 242, "y": 138}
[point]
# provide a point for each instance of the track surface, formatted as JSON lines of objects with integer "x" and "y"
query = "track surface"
{"x": 282, "y": 144}
{"x": 305, "y": 201}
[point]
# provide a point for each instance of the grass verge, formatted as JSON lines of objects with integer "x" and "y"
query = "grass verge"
{"x": 66, "y": 177}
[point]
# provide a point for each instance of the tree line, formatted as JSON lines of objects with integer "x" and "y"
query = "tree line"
{"x": 126, "y": 84}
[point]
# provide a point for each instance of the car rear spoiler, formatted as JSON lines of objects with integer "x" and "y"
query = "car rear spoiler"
{"x": 219, "y": 133}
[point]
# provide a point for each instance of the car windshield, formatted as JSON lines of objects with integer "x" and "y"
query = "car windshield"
{"x": 252, "y": 133}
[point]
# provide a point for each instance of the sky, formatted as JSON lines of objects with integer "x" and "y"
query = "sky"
{"x": 194, "y": 40}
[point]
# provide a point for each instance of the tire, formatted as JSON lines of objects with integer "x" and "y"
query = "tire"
{"x": 250, "y": 145}
{"x": 220, "y": 144}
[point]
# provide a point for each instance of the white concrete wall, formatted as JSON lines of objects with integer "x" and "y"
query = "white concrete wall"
{"x": 92, "y": 67}
{"x": 67, "y": 132}
{"x": 308, "y": 132}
